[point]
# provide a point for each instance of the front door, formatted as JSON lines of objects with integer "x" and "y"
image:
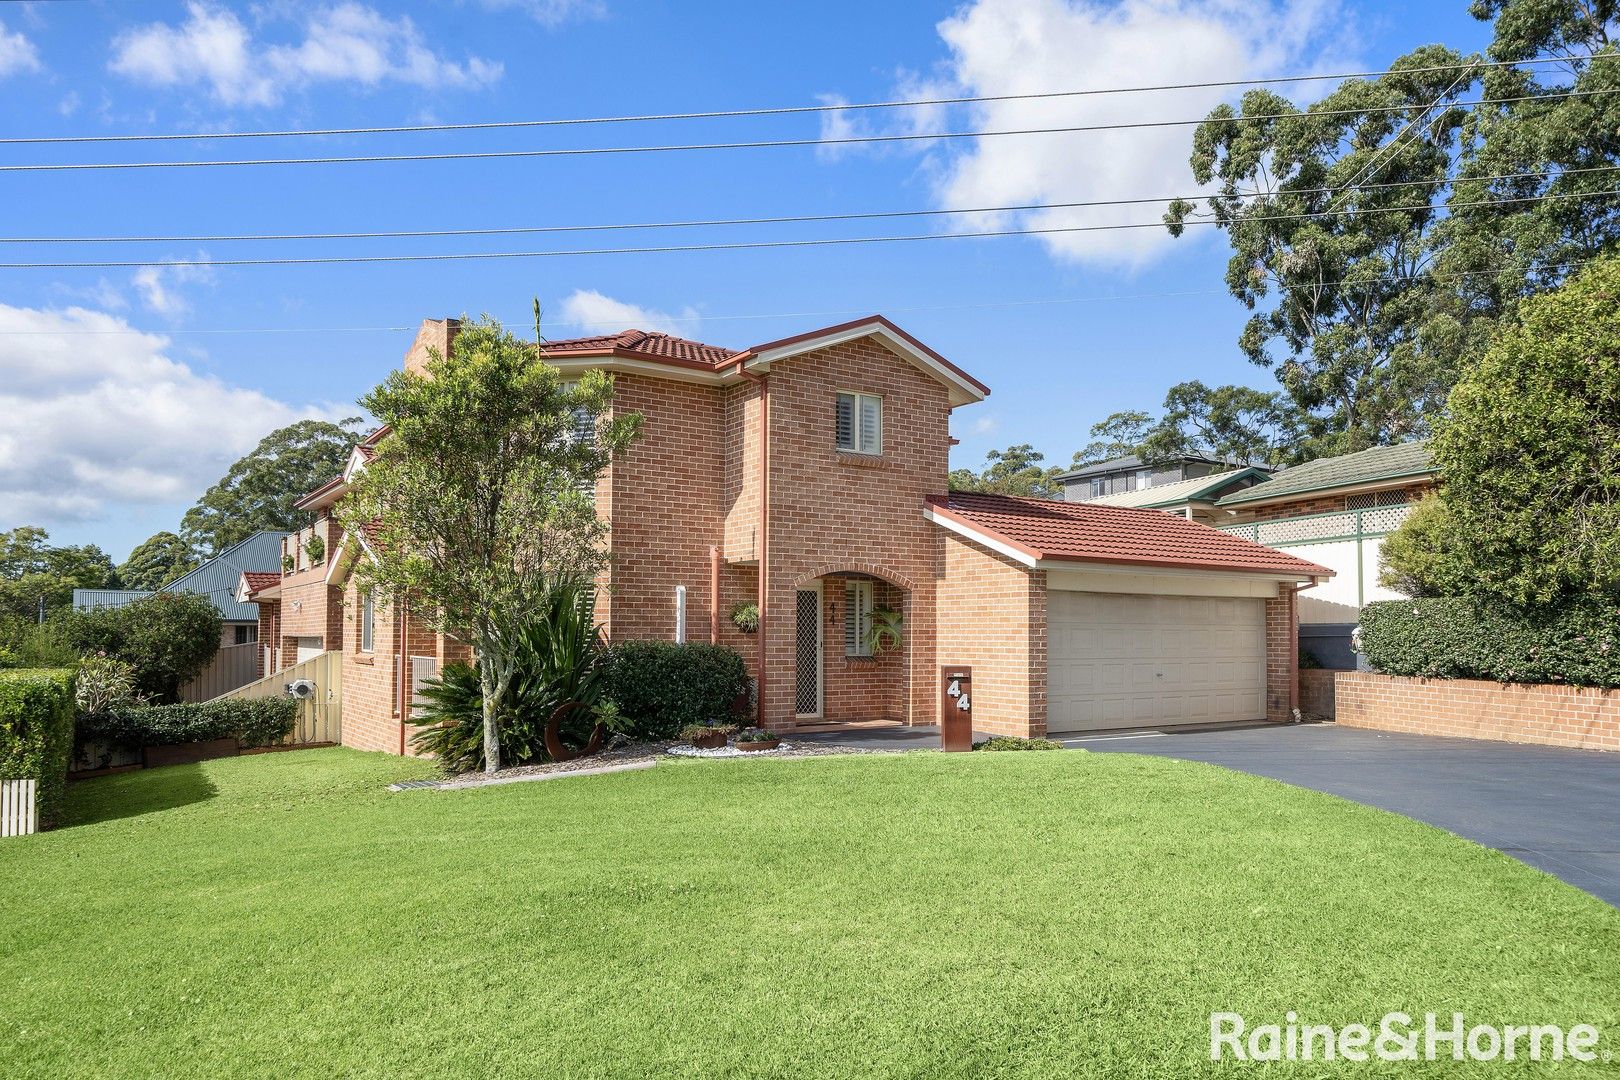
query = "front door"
{"x": 807, "y": 652}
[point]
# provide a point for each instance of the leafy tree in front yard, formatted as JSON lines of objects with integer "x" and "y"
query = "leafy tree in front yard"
{"x": 156, "y": 561}
{"x": 1531, "y": 451}
{"x": 477, "y": 503}
{"x": 258, "y": 492}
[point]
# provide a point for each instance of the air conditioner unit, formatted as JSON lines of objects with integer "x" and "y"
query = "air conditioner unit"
{"x": 301, "y": 688}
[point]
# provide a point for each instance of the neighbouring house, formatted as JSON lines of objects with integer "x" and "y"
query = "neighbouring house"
{"x": 1193, "y": 499}
{"x": 808, "y": 475}
{"x": 1131, "y": 474}
{"x": 237, "y": 662}
{"x": 1334, "y": 511}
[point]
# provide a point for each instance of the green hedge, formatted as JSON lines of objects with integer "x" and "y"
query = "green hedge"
{"x": 255, "y": 721}
{"x": 661, "y": 687}
{"x": 1450, "y": 638}
{"x": 36, "y": 733}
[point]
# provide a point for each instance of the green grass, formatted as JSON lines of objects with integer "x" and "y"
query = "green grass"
{"x": 920, "y": 915}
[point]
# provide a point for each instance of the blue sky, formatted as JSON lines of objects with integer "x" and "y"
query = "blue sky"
{"x": 107, "y": 436}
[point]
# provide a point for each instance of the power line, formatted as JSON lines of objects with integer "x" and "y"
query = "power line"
{"x": 336, "y": 260}
{"x": 789, "y": 110}
{"x": 517, "y": 230}
{"x": 1385, "y": 150}
{"x": 756, "y": 144}
{"x": 824, "y": 313}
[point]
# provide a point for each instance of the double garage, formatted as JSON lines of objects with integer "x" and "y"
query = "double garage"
{"x": 1080, "y": 618}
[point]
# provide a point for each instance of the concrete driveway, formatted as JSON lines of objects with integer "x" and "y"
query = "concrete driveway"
{"x": 1558, "y": 810}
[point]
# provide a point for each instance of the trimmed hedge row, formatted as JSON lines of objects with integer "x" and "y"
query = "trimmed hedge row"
{"x": 256, "y": 722}
{"x": 1453, "y": 638}
{"x": 36, "y": 733}
{"x": 661, "y": 687}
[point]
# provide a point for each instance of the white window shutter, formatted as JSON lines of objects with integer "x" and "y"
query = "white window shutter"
{"x": 871, "y": 424}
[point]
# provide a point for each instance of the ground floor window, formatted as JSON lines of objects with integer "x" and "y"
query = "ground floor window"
{"x": 857, "y": 618}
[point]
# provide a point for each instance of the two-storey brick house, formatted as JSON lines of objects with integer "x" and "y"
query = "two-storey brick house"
{"x": 808, "y": 476}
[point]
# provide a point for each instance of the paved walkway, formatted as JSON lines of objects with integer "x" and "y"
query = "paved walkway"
{"x": 1558, "y": 810}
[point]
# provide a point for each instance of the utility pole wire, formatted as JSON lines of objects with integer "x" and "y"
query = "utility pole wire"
{"x": 789, "y": 110}
{"x": 848, "y": 140}
{"x": 780, "y": 220}
{"x": 336, "y": 260}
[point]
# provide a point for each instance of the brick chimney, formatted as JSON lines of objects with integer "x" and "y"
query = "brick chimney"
{"x": 435, "y": 335}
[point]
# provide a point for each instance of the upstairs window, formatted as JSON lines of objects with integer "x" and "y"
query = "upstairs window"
{"x": 857, "y": 618}
{"x": 859, "y": 423}
{"x": 1099, "y": 486}
{"x": 368, "y": 624}
{"x": 1144, "y": 478}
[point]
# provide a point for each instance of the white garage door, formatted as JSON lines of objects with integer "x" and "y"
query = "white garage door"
{"x": 1118, "y": 660}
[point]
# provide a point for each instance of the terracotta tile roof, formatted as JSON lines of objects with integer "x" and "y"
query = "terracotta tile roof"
{"x": 257, "y": 580}
{"x": 639, "y": 344}
{"x": 1086, "y": 532}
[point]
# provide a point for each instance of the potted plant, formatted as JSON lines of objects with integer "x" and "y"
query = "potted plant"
{"x": 756, "y": 739}
{"x": 288, "y": 564}
{"x": 707, "y": 736}
{"x": 315, "y": 548}
{"x": 745, "y": 617}
{"x": 885, "y": 633}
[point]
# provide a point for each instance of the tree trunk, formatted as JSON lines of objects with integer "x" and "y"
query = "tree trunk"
{"x": 492, "y": 701}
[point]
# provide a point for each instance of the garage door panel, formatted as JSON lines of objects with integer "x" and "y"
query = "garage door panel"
{"x": 1121, "y": 660}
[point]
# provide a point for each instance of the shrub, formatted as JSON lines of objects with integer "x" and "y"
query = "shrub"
{"x": 254, "y": 721}
{"x": 1451, "y": 638}
{"x": 169, "y": 637}
{"x": 754, "y": 734}
{"x": 1421, "y": 557}
{"x": 1013, "y": 742}
{"x": 315, "y": 548}
{"x": 559, "y": 658}
{"x": 697, "y": 731}
{"x": 661, "y": 687}
{"x": 105, "y": 683}
{"x": 36, "y": 732}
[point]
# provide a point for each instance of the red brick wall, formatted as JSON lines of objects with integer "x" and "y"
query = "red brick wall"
{"x": 1316, "y": 692}
{"x": 1474, "y": 709}
{"x": 375, "y": 682}
{"x": 859, "y": 687}
{"x": 1282, "y": 655}
{"x": 992, "y": 615}
{"x": 832, "y": 512}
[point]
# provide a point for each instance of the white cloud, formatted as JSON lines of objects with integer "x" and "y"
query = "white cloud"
{"x": 98, "y": 415}
{"x": 596, "y": 313}
{"x": 348, "y": 42}
{"x": 553, "y": 12}
{"x": 159, "y": 286}
{"x": 984, "y": 425}
{"x": 999, "y": 47}
{"x": 17, "y": 53}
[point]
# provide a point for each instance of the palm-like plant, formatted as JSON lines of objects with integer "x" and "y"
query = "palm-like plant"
{"x": 558, "y": 683}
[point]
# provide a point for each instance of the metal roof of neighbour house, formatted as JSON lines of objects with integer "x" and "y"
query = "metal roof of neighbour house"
{"x": 1039, "y": 530}
{"x": 1380, "y": 463}
{"x": 1131, "y": 461}
{"x": 1179, "y": 493}
{"x": 218, "y": 577}
{"x": 93, "y": 599}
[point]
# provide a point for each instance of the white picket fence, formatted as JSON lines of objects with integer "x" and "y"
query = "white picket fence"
{"x": 18, "y": 807}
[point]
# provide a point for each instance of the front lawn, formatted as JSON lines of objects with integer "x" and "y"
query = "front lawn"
{"x": 922, "y": 915}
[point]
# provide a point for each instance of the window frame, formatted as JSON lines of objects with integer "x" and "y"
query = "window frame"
{"x": 1099, "y": 486}
{"x": 1144, "y": 479}
{"x": 857, "y": 426}
{"x": 860, "y": 600}
{"x": 368, "y": 624}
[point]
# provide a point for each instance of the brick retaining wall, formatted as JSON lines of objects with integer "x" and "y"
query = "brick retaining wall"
{"x": 1474, "y": 709}
{"x": 1316, "y": 691}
